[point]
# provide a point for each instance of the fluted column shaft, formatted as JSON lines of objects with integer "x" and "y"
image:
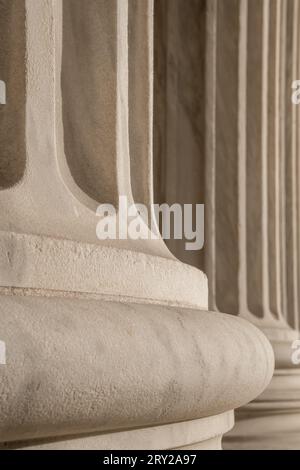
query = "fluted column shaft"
{"x": 249, "y": 178}
{"x": 252, "y": 174}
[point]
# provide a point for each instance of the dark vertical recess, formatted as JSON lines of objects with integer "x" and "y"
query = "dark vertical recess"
{"x": 12, "y": 72}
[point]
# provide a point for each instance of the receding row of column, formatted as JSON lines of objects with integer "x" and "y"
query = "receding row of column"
{"x": 251, "y": 160}
{"x": 250, "y": 177}
{"x": 246, "y": 160}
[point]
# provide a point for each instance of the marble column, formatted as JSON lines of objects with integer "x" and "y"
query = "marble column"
{"x": 255, "y": 157}
{"x": 240, "y": 144}
{"x": 109, "y": 344}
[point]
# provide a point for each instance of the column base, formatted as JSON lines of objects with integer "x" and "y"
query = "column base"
{"x": 272, "y": 421}
{"x": 199, "y": 434}
{"x": 97, "y": 370}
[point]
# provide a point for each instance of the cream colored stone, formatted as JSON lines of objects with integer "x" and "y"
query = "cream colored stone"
{"x": 199, "y": 434}
{"x": 81, "y": 366}
{"x": 108, "y": 344}
{"x": 250, "y": 154}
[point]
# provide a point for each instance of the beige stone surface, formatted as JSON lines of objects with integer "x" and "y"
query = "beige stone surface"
{"x": 111, "y": 343}
{"x": 250, "y": 184}
{"x": 78, "y": 365}
{"x": 50, "y": 264}
{"x": 198, "y": 434}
